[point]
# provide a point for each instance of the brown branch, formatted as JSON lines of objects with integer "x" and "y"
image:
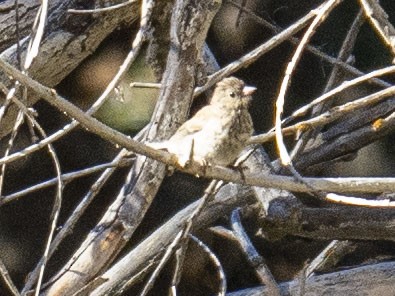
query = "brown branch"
{"x": 255, "y": 179}
{"x": 331, "y": 149}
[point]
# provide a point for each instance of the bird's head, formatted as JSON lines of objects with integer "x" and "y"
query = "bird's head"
{"x": 232, "y": 93}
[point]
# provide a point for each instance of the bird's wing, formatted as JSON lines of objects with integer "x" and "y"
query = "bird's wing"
{"x": 188, "y": 129}
{"x": 196, "y": 123}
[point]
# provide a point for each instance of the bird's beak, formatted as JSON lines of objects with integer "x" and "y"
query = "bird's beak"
{"x": 248, "y": 90}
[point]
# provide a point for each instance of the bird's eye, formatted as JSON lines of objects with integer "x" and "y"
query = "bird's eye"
{"x": 232, "y": 94}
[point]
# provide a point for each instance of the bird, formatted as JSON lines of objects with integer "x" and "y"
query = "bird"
{"x": 218, "y": 132}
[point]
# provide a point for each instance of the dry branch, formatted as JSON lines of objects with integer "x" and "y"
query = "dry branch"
{"x": 376, "y": 279}
{"x": 128, "y": 270}
{"x": 341, "y": 223}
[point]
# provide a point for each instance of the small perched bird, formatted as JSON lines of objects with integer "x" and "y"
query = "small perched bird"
{"x": 218, "y": 132}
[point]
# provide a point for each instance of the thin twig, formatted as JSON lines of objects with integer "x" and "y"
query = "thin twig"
{"x": 17, "y": 125}
{"x": 165, "y": 258}
{"x": 330, "y": 256}
{"x": 217, "y": 263}
{"x": 255, "y": 54}
{"x": 357, "y": 201}
{"x": 322, "y": 55}
{"x": 321, "y": 14}
{"x": 9, "y": 94}
{"x": 7, "y": 280}
{"x": 327, "y": 117}
{"x": 302, "y": 277}
{"x": 145, "y": 85}
{"x": 360, "y": 132}
{"x": 180, "y": 254}
{"x": 345, "y": 85}
{"x": 58, "y": 199}
{"x": 344, "y": 54}
{"x": 37, "y": 34}
{"x": 55, "y": 211}
{"x": 67, "y": 178}
{"x": 18, "y": 36}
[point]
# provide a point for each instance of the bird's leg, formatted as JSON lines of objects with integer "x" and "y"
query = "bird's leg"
{"x": 184, "y": 159}
{"x": 191, "y": 151}
{"x": 204, "y": 165}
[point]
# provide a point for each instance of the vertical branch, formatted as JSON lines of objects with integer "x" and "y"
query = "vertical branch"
{"x": 189, "y": 25}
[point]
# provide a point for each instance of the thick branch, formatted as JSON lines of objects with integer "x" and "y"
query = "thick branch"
{"x": 341, "y": 223}
{"x": 375, "y": 279}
